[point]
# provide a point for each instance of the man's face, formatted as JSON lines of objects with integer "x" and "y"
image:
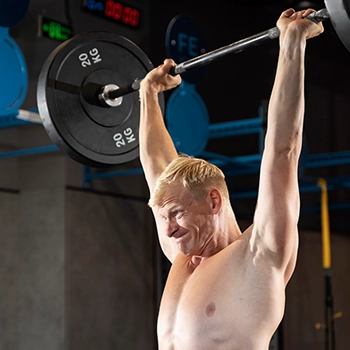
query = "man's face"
{"x": 186, "y": 220}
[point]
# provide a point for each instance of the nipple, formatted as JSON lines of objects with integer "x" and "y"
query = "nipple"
{"x": 210, "y": 311}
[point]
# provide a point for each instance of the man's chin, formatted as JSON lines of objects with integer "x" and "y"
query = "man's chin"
{"x": 184, "y": 250}
{"x": 187, "y": 251}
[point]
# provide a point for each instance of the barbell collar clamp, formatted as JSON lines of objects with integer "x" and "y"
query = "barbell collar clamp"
{"x": 105, "y": 98}
{"x": 127, "y": 89}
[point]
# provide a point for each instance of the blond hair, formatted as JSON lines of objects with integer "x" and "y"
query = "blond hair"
{"x": 196, "y": 175}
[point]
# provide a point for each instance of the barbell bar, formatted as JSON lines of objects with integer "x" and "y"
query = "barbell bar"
{"x": 92, "y": 71}
{"x": 214, "y": 55}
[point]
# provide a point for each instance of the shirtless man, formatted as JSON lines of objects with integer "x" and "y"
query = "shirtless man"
{"x": 226, "y": 289}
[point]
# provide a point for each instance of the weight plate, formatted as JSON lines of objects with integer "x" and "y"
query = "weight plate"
{"x": 14, "y": 75}
{"x": 184, "y": 40}
{"x": 339, "y": 14}
{"x": 67, "y": 97}
{"x": 187, "y": 120}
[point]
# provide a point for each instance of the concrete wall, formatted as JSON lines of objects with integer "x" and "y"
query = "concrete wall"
{"x": 9, "y": 271}
{"x": 41, "y": 265}
{"x": 110, "y": 273}
{"x": 77, "y": 269}
{"x": 32, "y": 272}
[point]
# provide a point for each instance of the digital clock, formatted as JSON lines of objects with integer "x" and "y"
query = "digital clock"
{"x": 113, "y": 10}
{"x": 55, "y": 30}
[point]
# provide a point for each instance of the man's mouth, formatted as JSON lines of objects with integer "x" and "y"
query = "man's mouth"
{"x": 179, "y": 238}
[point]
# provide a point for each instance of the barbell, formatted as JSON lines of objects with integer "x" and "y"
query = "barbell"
{"x": 84, "y": 91}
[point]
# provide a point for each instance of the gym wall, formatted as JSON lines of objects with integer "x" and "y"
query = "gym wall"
{"x": 77, "y": 272}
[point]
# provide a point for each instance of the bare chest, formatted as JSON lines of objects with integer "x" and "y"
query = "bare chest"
{"x": 217, "y": 304}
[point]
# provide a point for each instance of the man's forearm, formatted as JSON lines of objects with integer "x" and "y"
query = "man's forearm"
{"x": 286, "y": 108}
{"x": 156, "y": 146}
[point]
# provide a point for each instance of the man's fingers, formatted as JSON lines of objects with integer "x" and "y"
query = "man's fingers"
{"x": 308, "y": 12}
{"x": 292, "y": 14}
{"x": 169, "y": 61}
{"x": 288, "y": 13}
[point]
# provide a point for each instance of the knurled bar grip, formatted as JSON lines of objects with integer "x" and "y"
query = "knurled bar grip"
{"x": 238, "y": 46}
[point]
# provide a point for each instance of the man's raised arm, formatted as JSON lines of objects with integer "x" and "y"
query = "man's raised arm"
{"x": 156, "y": 146}
{"x": 277, "y": 213}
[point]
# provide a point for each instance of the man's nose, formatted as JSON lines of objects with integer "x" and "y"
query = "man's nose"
{"x": 171, "y": 227}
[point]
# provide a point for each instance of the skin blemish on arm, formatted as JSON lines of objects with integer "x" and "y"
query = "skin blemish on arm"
{"x": 210, "y": 310}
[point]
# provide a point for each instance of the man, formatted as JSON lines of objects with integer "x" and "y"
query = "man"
{"x": 226, "y": 289}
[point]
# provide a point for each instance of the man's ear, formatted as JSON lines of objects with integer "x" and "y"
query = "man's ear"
{"x": 215, "y": 198}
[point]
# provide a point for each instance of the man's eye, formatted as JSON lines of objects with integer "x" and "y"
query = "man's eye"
{"x": 177, "y": 214}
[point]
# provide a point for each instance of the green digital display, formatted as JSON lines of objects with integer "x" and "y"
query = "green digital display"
{"x": 55, "y": 30}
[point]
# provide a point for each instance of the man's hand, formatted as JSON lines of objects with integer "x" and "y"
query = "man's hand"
{"x": 159, "y": 79}
{"x": 296, "y": 21}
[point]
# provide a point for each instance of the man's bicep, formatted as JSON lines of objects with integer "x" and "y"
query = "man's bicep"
{"x": 278, "y": 204}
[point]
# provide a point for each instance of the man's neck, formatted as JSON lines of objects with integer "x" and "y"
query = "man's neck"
{"x": 219, "y": 242}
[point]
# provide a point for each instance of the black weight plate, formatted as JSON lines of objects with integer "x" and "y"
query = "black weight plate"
{"x": 339, "y": 14}
{"x": 82, "y": 128}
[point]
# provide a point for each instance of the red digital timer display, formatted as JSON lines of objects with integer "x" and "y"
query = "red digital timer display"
{"x": 113, "y": 10}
